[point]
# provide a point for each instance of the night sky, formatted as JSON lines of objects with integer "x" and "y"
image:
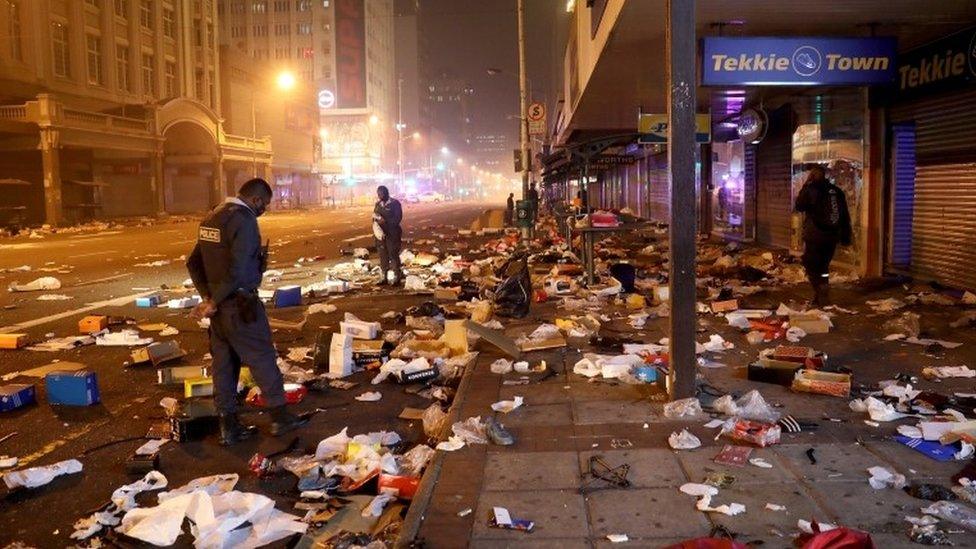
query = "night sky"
{"x": 466, "y": 37}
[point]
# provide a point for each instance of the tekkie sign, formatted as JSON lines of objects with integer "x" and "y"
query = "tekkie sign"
{"x": 350, "y": 21}
{"x": 943, "y": 65}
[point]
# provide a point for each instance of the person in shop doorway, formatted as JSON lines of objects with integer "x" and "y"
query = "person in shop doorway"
{"x": 533, "y": 194}
{"x": 826, "y": 223}
{"x": 510, "y": 209}
{"x": 387, "y": 216}
{"x": 226, "y": 267}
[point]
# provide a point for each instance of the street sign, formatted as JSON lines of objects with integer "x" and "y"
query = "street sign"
{"x": 804, "y": 61}
{"x": 326, "y": 99}
{"x": 653, "y": 128}
{"x": 537, "y": 118}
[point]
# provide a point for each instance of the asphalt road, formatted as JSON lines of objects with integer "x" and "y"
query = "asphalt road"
{"x": 97, "y": 268}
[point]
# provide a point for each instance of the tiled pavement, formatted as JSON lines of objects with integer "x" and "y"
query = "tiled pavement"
{"x": 566, "y": 419}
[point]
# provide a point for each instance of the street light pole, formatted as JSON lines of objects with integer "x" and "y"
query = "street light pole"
{"x": 523, "y": 123}
{"x": 400, "y": 134}
{"x": 254, "y": 138}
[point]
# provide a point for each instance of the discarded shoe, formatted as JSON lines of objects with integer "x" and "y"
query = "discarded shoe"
{"x": 283, "y": 421}
{"x": 497, "y": 433}
{"x": 233, "y": 431}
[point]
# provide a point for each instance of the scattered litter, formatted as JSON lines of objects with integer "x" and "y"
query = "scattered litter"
{"x": 45, "y": 283}
{"x": 683, "y": 440}
{"x": 506, "y": 406}
{"x": 369, "y": 396}
{"x": 884, "y": 478}
{"x": 39, "y": 476}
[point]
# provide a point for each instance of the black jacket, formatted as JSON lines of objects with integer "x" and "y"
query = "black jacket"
{"x": 391, "y": 214}
{"x": 827, "y": 216}
{"x": 228, "y": 255}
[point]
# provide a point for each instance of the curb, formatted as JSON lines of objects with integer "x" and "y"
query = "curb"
{"x": 425, "y": 492}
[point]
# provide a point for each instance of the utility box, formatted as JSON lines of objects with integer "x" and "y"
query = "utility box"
{"x": 525, "y": 211}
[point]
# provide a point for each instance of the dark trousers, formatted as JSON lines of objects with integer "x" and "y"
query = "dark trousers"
{"x": 818, "y": 252}
{"x": 389, "y": 251}
{"x": 233, "y": 343}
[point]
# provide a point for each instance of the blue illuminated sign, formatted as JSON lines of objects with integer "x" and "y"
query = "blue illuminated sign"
{"x": 750, "y": 61}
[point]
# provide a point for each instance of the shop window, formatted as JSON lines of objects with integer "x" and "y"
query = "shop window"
{"x": 830, "y": 133}
{"x": 729, "y": 189}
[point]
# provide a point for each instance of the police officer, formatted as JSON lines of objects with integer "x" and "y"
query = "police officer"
{"x": 226, "y": 267}
{"x": 827, "y": 223}
{"x": 387, "y": 215}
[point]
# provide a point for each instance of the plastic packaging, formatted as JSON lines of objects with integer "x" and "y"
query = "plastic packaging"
{"x": 753, "y": 406}
{"x": 434, "y": 419}
{"x": 954, "y": 513}
{"x": 471, "y": 431}
{"x": 684, "y": 408}
{"x": 412, "y": 463}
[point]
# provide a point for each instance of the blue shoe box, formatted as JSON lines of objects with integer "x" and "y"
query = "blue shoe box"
{"x": 72, "y": 388}
{"x": 16, "y": 396}
{"x": 148, "y": 301}
{"x": 288, "y": 296}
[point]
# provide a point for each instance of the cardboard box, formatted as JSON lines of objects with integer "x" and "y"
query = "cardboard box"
{"x": 197, "y": 387}
{"x": 370, "y": 353}
{"x": 17, "y": 396}
{"x": 725, "y": 306}
{"x": 340, "y": 355}
{"x": 567, "y": 269}
{"x": 779, "y": 372}
{"x": 445, "y": 294}
{"x": 158, "y": 353}
{"x": 185, "y": 429}
{"x": 336, "y": 286}
{"x": 294, "y": 394}
{"x": 811, "y": 324}
{"x": 12, "y": 341}
{"x": 92, "y": 323}
{"x": 179, "y": 374}
{"x": 183, "y": 302}
{"x": 288, "y": 296}
{"x": 148, "y": 301}
{"x": 359, "y": 329}
{"x": 456, "y": 336}
{"x": 140, "y": 465}
{"x": 792, "y": 353}
{"x": 754, "y": 432}
{"x": 823, "y": 383}
{"x": 420, "y": 376}
{"x": 77, "y": 388}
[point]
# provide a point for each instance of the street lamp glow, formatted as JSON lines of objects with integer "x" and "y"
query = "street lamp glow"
{"x": 323, "y": 133}
{"x": 286, "y": 80}
{"x": 374, "y": 120}
{"x": 416, "y": 135}
{"x": 460, "y": 160}
{"x": 445, "y": 151}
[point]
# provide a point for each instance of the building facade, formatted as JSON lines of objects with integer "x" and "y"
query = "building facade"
{"x": 111, "y": 108}
{"x": 900, "y": 147}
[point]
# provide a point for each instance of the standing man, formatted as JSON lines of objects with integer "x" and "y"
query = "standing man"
{"x": 510, "y": 210}
{"x": 826, "y": 224}
{"x": 533, "y": 194}
{"x": 387, "y": 215}
{"x": 226, "y": 267}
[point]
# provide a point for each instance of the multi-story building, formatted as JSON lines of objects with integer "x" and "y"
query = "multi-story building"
{"x": 449, "y": 101}
{"x": 111, "y": 107}
{"x": 492, "y": 151}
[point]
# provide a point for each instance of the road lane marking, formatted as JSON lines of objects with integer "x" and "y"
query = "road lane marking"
{"x": 360, "y": 237}
{"x": 117, "y": 302}
{"x": 90, "y": 254}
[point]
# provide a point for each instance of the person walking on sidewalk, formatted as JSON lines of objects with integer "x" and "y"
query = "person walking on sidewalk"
{"x": 827, "y": 223}
{"x": 510, "y": 210}
{"x": 387, "y": 216}
{"x": 226, "y": 266}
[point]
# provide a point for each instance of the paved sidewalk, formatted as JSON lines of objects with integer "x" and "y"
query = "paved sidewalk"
{"x": 566, "y": 419}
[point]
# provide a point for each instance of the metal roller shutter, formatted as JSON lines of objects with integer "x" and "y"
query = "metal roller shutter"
{"x": 943, "y": 245}
{"x": 774, "y": 196}
{"x": 659, "y": 193}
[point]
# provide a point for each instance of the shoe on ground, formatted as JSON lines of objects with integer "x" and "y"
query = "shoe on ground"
{"x": 233, "y": 431}
{"x": 497, "y": 433}
{"x": 283, "y": 421}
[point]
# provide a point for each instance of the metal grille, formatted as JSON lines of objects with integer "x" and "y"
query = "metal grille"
{"x": 943, "y": 243}
{"x": 774, "y": 157}
{"x": 903, "y": 194}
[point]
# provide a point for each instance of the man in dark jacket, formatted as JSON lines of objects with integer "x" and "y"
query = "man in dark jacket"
{"x": 510, "y": 209}
{"x": 827, "y": 222}
{"x": 226, "y": 267}
{"x": 387, "y": 215}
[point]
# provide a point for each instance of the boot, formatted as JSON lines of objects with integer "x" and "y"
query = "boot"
{"x": 233, "y": 431}
{"x": 383, "y": 281}
{"x": 398, "y": 279}
{"x": 283, "y": 421}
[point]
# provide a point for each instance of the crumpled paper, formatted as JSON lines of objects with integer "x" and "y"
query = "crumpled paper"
{"x": 704, "y": 493}
{"x": 684, "y": 440}
{"x": 686, "y": 407}
{"x": 501, "y": 366}
{"x": 370, "y": 396}
{"x": 883, "y": 478}
{"x": 876, "y": 409}
{"x": 39, "y": 476}
{"x": 506, "y": 406}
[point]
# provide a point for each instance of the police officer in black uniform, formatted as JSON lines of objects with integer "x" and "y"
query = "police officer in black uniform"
{"x": 827, "y": 223}
{"x": 226, "y": 267}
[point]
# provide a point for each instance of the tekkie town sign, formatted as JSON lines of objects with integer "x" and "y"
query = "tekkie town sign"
{"x": 943, "y": 65}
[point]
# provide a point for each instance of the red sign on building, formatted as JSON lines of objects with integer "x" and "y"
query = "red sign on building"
{"x": 350, "y": 21}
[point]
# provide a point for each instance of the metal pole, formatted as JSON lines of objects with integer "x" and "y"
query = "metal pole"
{"x": 524, "y": 109}
{"x": 400, "y": 134}
{"x": 680, "y": 44}
{"x": 254, "y": 139}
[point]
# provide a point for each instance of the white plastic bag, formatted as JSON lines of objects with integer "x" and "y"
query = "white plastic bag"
{"x": 684, "y": 408}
